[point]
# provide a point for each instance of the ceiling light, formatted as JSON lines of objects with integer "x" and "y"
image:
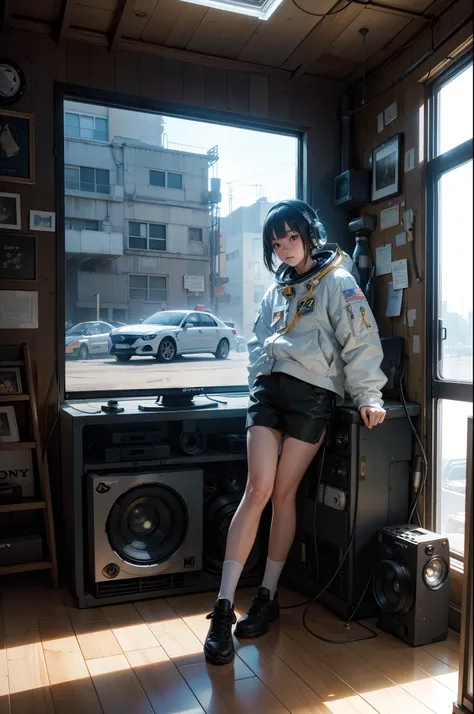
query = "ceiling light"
{"x": 262, "y": 9}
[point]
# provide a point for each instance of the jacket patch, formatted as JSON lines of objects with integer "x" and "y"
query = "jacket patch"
{"x": 353, "y": 294}
{"x": 308, "y": 306}
{"x": 277, "y": 317}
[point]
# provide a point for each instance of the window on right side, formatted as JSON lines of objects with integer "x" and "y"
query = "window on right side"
{"x": 449, "y": 294}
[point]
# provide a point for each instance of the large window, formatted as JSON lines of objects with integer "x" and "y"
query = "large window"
{"x": 450, "y": 295}
{"x": 83, "y": 126}
{"x": 84, "y": 178}
{"x": 179, "y": 232}
{"x": 149, "y": 288}
{"x": 146, "y": 236}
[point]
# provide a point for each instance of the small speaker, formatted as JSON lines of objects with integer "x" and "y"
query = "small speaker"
{"x": 411, "y": 584}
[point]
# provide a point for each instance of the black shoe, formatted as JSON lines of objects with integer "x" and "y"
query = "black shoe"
{"x": 262, "y": 611}
{"x": 219, "y": 645}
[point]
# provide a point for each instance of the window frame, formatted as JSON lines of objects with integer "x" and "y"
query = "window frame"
{"x": 89, "y": 116}
{"x": 148, "y": 276}
{"x": 85, "y": 183}
{"x": 166, "y": 174}
{"x": 196, "y": 228}
{"x": 437, "y": 388}
{"x": 148, "y": 239}
{"x": 305, "y": 186}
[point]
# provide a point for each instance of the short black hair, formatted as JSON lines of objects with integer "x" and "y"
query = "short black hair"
{"x": 274, "y": 225}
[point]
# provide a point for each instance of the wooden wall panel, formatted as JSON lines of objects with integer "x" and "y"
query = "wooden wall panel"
{"x": 410, "y": 95}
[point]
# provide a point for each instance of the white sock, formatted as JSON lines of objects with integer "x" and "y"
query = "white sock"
{"x": 272, "y": 575}
{"x": 231, "y": 571}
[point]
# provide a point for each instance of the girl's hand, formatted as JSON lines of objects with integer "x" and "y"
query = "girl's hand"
{"x": 371, "y": 416}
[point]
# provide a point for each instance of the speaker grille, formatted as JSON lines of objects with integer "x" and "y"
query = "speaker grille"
{"x": 135, "y": 586}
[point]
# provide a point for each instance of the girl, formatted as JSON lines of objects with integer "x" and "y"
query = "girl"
{"x": 314, "y": 336}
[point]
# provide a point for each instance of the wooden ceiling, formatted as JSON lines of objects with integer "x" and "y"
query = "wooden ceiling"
{"x": 292, "y": 40}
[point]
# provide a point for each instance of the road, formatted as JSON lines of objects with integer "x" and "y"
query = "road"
{"x": 147, "y": 373}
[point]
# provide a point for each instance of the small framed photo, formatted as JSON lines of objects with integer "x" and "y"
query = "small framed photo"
{"x": 42, "y": 221}
{"x": 10, "y": 211}
{"x": 386, "y": 173}
{"x": 17, "y": 157}
{"x": 8, "y": 425}
{"x": 10, "y": 380}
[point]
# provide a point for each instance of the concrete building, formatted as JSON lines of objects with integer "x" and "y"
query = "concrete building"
{"x": 248, "y": 277}
{"x": 137, "y": 217}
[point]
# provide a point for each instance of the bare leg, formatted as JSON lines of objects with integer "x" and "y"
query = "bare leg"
{"x": 262, "y": 455}
{"x": 295, "y": 458}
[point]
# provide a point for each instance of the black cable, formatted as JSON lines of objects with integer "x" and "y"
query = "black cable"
{"x": 322, "y": 14}
{"x": 414, "y": 508}
{"x": 308, "y": 603}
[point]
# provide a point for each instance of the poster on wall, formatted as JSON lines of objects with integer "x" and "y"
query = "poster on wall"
{"x": 386, "y": 175}
{"x": 16, "y": 147}
{"x": 17, "y": 257}
{"x": 18, "y": 310}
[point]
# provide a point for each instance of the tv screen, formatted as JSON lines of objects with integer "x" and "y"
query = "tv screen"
{"x": 164, "y": 266}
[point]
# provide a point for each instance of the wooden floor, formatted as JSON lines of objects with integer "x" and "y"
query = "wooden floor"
{"x": 147, "y": 658}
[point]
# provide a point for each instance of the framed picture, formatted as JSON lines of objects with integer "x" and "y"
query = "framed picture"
{"x": 10, "y": 211}
{"x": 17, "y": 162}
{"x": 42, "y": 221}
{"x": 8, "y": 425}
{"x": 17, "y": 257}
{"x": 386, "y": 174}
{"x": 10, "y": 380}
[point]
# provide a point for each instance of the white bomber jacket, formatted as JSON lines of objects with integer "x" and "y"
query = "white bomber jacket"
{"x": 334, "y": 344}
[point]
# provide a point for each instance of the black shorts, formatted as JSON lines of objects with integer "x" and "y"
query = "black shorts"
{"x": 289, "y": 405}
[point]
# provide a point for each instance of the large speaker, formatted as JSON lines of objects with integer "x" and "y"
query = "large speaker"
{"x": 142, "y": 524}
{"x": 222, "y": 495}
{"x": 411, "y": 584}
{"x": 364, "y": 481}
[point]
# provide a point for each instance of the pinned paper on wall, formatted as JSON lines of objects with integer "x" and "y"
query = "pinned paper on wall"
{"x": 410, "y": 317}
{"x": 400, "y": 274}
{"x": 383, "y": 260}
{"x": 390, "y": 114}
{"x": 380, "y": 124}
{"x": 409, "y": 163}
{"x": 416, "y": 344}
{"x": 394, "y": 302}
{"x": 400, "y": 239}
{"x": 390, "y": 217}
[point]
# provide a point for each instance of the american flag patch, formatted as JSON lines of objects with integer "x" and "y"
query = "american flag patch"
{"x": 353, "y": 294}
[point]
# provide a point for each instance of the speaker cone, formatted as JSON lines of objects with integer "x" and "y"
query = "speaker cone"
{"x": 217, "y": 518}
{"x": 392, "y": 587}
{"x": 435, "y": 573}
{"x": 148, "y": 524}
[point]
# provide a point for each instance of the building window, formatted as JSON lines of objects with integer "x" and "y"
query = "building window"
{"x": 150, "y": 288}
{"x": 174, "y": 181}
{"x": 82, "y": 126}
{"x": 83, "y": 178}
{"x": 166, "y": 179}
{"x": 81, "y": 224}
{"x": 195, "y": 235}
{"x": 146, "y": 236}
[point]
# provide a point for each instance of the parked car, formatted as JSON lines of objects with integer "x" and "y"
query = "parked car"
{"x": 88, "y": 338}
{"x": 114, "y": 323}
{"x": 172, "y": 333}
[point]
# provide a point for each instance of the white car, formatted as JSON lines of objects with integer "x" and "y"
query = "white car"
{"x": 88, "y": 338}
{"x": 172, "y": 333}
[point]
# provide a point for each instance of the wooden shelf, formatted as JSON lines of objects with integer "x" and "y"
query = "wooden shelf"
{"x": 10, "y": 363}
{"x": 23, "y": 506}
{"x": 18, "y": 445}
{"x": 6, "y": 398}
{"x": 23, "y": 567}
